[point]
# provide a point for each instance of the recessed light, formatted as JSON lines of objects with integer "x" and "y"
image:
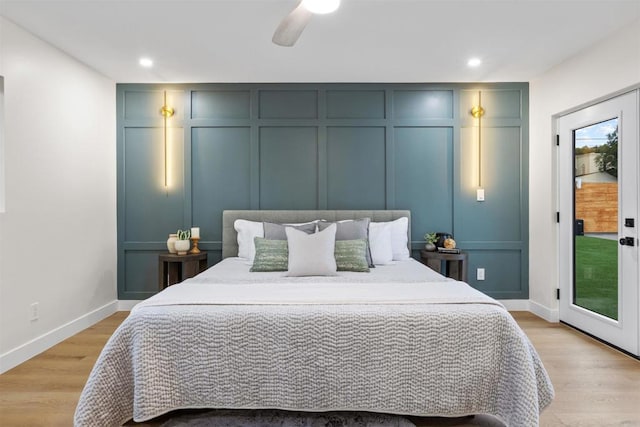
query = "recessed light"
{"x": 321, "y": 6}
{"x": 474, "y": 62}
{"x": 146, "y": 62}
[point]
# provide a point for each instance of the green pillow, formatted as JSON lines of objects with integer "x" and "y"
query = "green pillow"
{"x": 351, "y": 255}
{"x": 271, "y": 255}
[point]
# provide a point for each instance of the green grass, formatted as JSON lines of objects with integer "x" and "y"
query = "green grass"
{"x": 597, "y": 275}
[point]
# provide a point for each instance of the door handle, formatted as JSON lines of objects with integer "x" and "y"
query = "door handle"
{"x": 627, "y": 241}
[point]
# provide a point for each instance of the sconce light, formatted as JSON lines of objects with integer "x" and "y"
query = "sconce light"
{"x": 166, "y": 112}
{"x": 477, "y": 112}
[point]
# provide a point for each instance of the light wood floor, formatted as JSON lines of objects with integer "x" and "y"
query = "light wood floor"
{"x": 595, "y": 385}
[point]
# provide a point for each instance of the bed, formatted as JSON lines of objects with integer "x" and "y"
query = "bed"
{"x": 401, "y": 339}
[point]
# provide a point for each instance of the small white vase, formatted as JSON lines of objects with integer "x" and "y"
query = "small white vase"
{"x": 182, "y": 246}
{"x": 171, "y": 243}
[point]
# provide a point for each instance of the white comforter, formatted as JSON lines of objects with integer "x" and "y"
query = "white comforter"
{"x": 406, "y": 340}
{"x": 401, "y": 283}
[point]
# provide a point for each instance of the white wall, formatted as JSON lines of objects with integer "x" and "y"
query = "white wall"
{"x": 1, "y": 140}
{"x": 58, "y": 234}
{"x": 610, "y": 65}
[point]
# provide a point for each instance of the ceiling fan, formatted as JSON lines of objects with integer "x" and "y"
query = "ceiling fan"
{"x": 293, "y": 24}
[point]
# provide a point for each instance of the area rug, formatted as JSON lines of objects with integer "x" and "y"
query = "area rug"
{"x": 278, "y": 418}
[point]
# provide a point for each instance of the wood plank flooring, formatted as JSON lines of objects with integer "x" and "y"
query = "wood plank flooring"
{"x": 595, "y": 385}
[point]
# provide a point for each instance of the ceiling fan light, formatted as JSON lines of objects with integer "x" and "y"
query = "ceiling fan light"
{"x": 321, "y": 6}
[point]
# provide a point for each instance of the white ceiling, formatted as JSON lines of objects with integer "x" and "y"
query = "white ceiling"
{"x": 364, "y": 41}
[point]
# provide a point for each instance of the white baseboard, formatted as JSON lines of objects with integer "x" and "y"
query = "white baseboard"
{"x": 515, "y": 304}
{"x": 26, "y": 351}
{"x": 127, "y": 304}
{"x": 548, "y": 314}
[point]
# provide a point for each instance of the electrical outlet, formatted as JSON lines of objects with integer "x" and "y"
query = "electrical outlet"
{"x": 33, "y": 311}
{"x": 480, "y": 194}
{"x": 480, "y": 274}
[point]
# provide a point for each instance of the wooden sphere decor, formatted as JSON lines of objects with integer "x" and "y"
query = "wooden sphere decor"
{"x": 449, "y": 243}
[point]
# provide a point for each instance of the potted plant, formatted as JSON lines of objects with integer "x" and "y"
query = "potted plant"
{"x": 431, "y": 239}
{"x": 183, "y": 243}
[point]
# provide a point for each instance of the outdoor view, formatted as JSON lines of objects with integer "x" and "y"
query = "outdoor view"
{"x": 596, "y": 218}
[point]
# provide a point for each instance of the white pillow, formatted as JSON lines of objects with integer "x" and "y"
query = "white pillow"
{"x": 399, "y": 238}
{"x": 247, "y": 230}
{"x": 312, "y": 254}
{"x": 380, "y": 242}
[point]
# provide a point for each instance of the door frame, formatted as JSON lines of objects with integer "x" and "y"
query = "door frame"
{"x": 595, "y": 324}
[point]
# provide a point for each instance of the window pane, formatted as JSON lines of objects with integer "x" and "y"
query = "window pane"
{"x": 596, "y": 218}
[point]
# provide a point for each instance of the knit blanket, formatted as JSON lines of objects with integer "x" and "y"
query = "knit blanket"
{"x": 439, "y": 358}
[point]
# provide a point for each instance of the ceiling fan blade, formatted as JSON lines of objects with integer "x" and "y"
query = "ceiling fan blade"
{"x": 292, "y": 26}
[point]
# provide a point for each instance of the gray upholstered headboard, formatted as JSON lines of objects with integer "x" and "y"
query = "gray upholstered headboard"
{"x": 230, "y": 236}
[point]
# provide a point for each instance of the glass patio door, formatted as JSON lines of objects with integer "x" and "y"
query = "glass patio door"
{"x": 598, "y": 162}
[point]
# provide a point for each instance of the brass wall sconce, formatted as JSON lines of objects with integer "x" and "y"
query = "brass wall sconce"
{"x": 166, "y": 112}
{"x": 477, "y": 112}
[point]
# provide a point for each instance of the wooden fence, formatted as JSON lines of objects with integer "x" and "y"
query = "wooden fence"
{"x": 597, "y": 205}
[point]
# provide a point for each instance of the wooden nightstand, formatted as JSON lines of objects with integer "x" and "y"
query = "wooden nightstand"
{"x": 174, "y": 268}
{"x": 455, "y": 264}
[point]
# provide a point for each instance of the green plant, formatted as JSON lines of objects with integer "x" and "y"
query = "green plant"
{"x": 607, "y": 159}
{"x": 431, "y": 237}
{"x": 184, "y": 235}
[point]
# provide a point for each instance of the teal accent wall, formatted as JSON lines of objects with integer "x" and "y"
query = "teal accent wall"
{"x": 325, "y": 146}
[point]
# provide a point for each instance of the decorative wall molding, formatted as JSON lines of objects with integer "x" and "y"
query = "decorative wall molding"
{"x": 325, "y": 146}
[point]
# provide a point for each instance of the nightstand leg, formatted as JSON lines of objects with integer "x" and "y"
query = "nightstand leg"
{"x": 453, "y": 270}
{"x": 189, "y": 269}
{"x": 174, "y": 273}
{"x": 202, "y": 265}
{"x": 435, "y": 265}
{"x": 463, "y": 270}
{"x": 162, "y": 275}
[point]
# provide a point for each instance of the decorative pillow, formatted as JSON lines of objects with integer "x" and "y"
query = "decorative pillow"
{"x": 247, "y": 231}
{"x": 271, "y": 255}
{"x": 380, "y": 243}
{"x": 399, "y": 238}
{"x": 275, "y": 231}
{"x": 351, "y": 255}
{"x": 351, "y": 229}
{"x": 311, "y": 254}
